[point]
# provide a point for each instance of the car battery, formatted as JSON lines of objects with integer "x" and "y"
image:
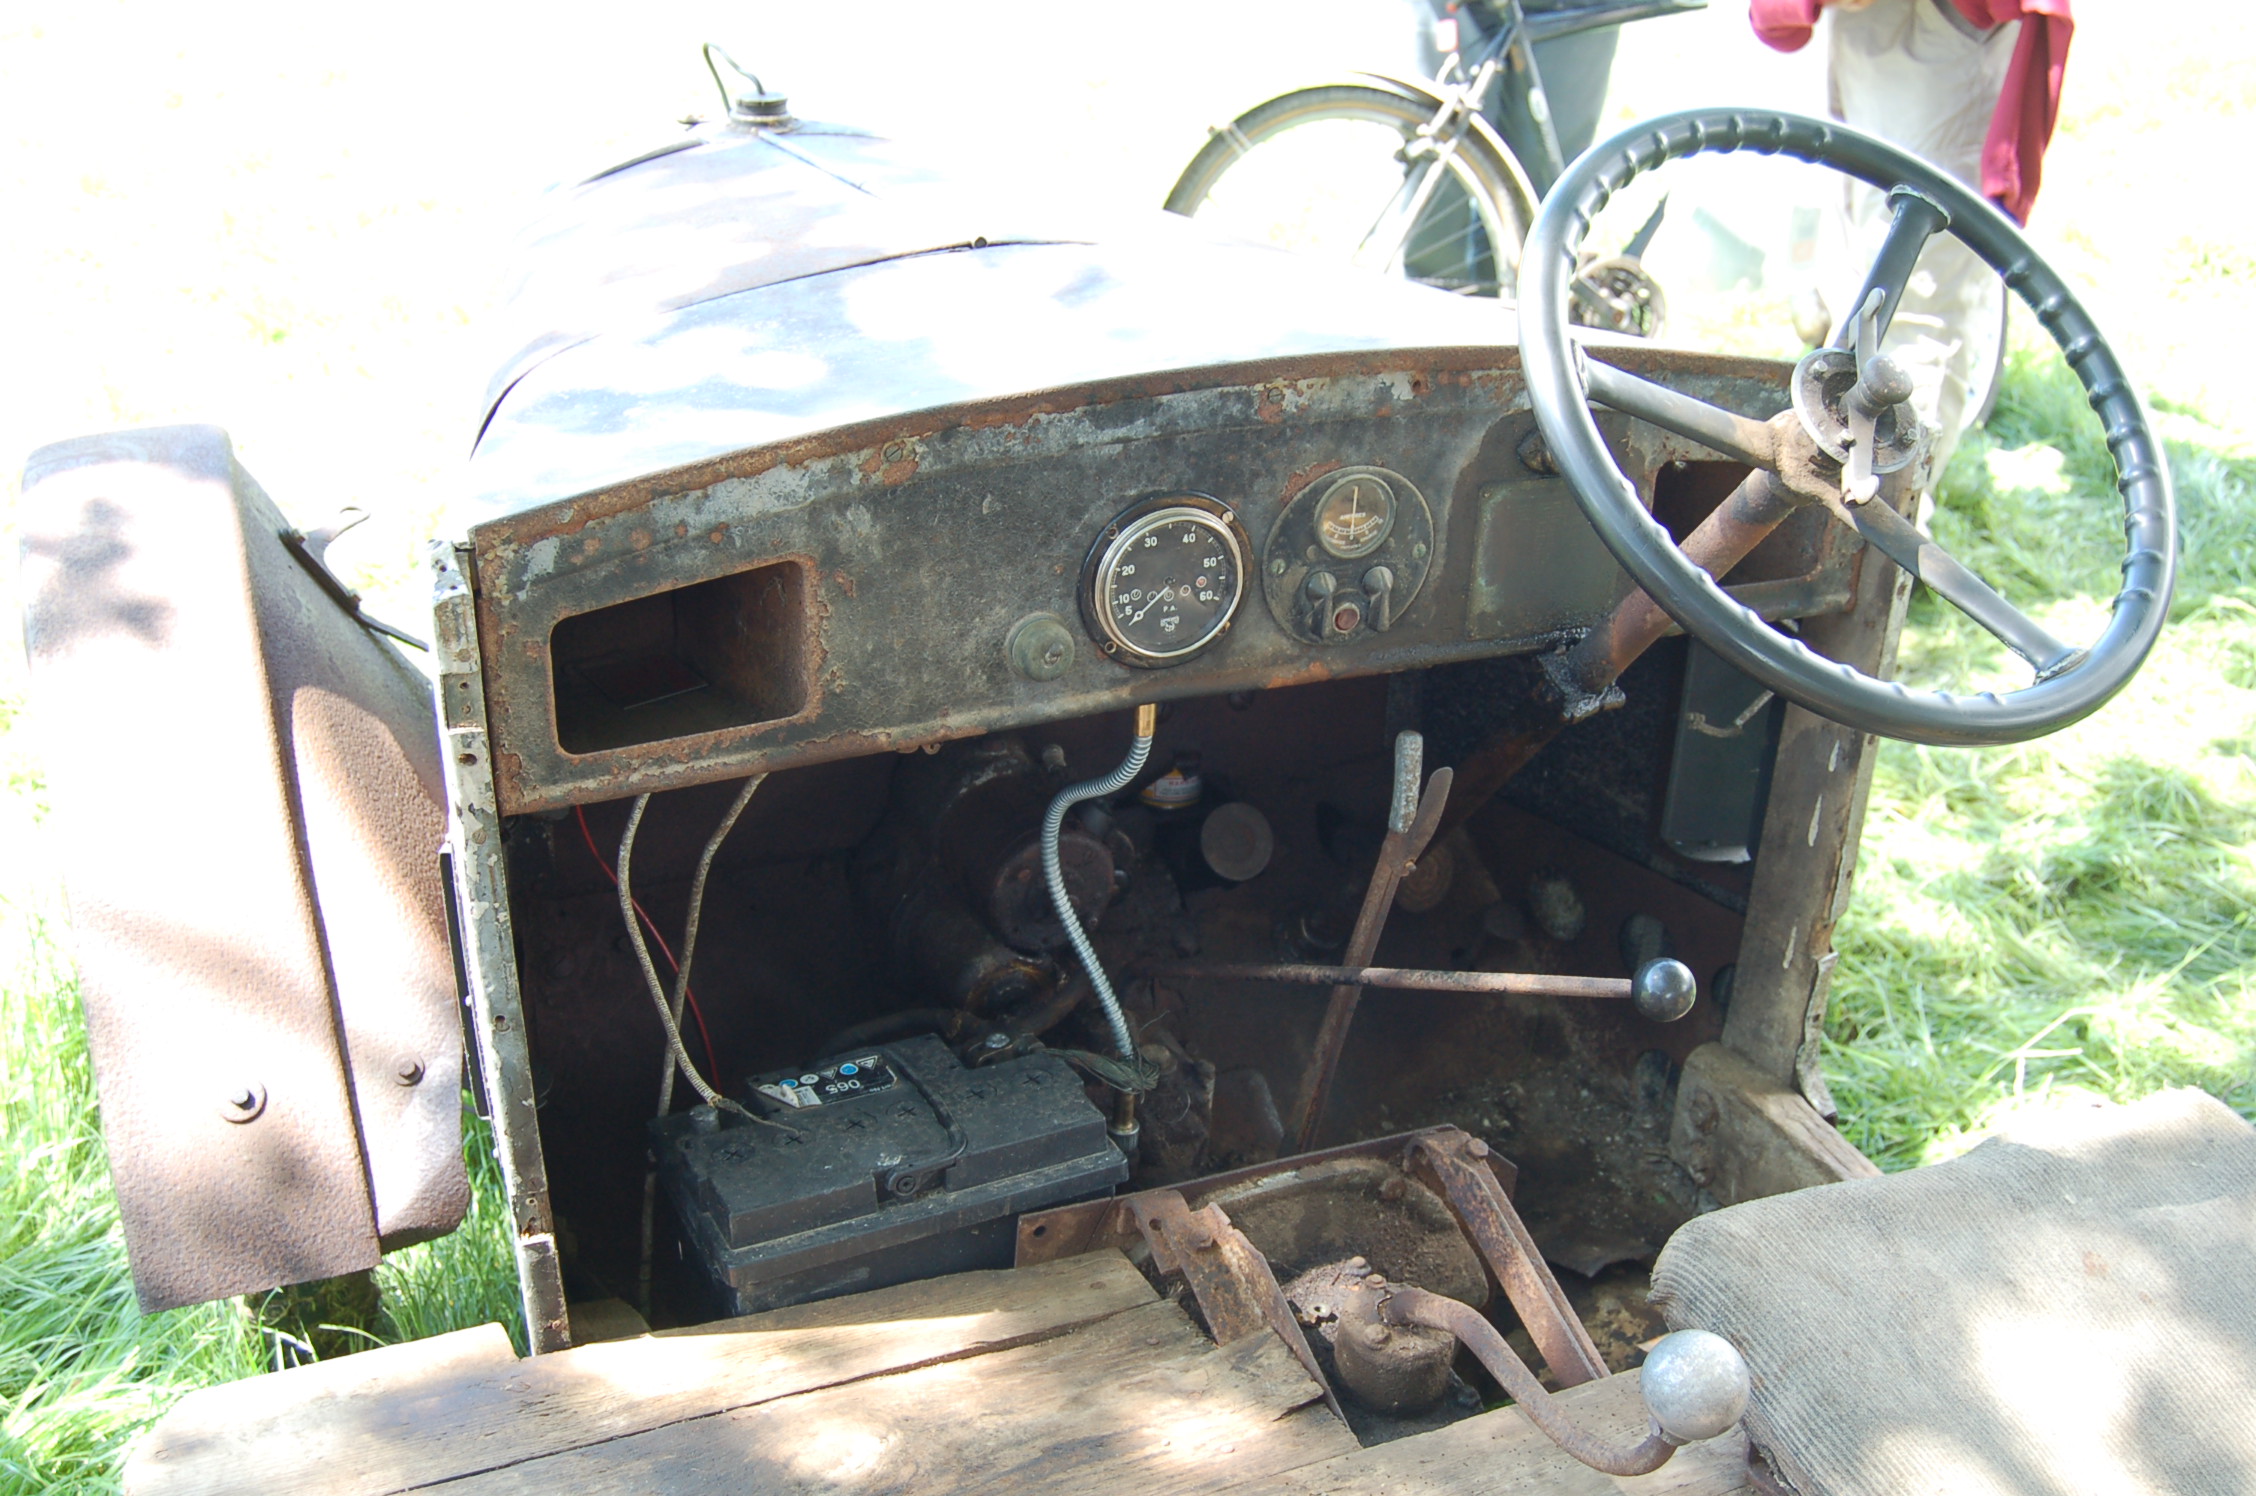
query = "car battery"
{"x": 892, "y": 1163}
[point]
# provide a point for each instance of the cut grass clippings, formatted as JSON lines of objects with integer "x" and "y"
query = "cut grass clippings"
{"x": 2074, "y": 915}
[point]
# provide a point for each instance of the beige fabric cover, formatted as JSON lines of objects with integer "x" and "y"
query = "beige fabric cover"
{"x": 2070, "y": 1307}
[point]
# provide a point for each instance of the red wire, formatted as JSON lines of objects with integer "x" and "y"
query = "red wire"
{"x": 711, "y": 1058}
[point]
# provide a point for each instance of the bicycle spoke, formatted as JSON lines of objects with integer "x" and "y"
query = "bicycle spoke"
{"x": 1408, "y": 207}
{"x": 1734, "y": 435}
{"x": 1900, "y": 541}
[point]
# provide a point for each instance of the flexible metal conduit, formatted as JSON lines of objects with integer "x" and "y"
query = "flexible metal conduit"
{"x": 1053, "y": 824}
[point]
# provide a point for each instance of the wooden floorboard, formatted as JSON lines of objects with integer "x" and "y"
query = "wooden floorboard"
{"x": 401, "y": 1417}
{"x": 1502, "y": 1454}
{"x": 1141, "y": 1402}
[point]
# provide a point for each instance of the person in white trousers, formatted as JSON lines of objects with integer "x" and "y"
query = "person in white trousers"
{"x": 1951, "y": 81}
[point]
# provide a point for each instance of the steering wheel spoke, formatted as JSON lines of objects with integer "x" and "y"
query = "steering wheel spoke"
{"x": 1955, "y": 583}
{"x": 1728, "y": 432}
{"x": 1563, "y": 383}
{"x": 1916, "y": 218}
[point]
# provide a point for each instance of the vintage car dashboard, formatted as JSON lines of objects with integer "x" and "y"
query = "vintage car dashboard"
{"x": 919, "y": 482}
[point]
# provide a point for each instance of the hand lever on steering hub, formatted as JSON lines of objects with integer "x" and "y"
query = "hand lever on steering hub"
{"x": 1851, "y": 427}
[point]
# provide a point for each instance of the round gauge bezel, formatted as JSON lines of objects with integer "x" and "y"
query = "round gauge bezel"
{"x": 1123, "y": 530}
{"x": 1410, "y": 548}
{"x": 1378, "y": 537}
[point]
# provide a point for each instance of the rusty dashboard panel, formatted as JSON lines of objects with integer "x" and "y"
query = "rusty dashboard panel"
{"x": 901, "y": 473}
{"x": 922, "y": 578}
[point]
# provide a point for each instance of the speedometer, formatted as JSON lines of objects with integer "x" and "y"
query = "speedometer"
{"x": 1165, "y": 579}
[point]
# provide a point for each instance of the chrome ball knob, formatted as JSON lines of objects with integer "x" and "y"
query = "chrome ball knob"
{"x": 1695, "y": 1385}
{"x": 1663, "y": 990}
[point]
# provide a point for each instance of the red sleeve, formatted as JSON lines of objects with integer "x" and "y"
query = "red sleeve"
{"x": 2013, "y": 155}
{"x": 1784, "y": 24}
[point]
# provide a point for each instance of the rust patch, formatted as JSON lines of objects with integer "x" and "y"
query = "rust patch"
{"x": 1306, "y": 673}
{"x": 639, "y": 539}
{"x": 845, "y": 584}
{"x": 1306, "y": 476}
{"x": 892, "y": 464}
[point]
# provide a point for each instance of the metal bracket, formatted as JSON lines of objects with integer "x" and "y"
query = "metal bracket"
{"x": 1455, "y": 1166}
{"x": 1236, "y": 1291}
{"x": 311, "y": 548}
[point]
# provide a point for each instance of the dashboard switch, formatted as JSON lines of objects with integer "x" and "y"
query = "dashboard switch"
{"x": 1378, "y": 586}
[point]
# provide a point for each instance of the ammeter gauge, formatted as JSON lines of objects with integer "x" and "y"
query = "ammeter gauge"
{"x": 1354, "y": 516}
{"x": 1165, "y": 579}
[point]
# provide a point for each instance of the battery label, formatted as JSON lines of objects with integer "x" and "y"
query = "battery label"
{"x": 848, "y": 1078}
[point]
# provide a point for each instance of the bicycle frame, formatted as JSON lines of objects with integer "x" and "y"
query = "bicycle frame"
{"x": 1513, "y": 34}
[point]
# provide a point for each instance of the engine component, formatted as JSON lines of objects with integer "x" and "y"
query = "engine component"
{"x": 1236, "y": 842}
{"x": 1330, "y": 1209}
{"x": 955, "y": 875}
{"x": 1176, "y": 1115}
{"x": 893, "y": 1163}
{"x": 1389, "y": 1368}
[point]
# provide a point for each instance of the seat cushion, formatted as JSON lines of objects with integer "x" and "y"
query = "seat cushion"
{"x": 2069, "y": 1307}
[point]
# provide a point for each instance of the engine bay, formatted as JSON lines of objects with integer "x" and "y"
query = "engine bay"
{"x": 883, "y": 916}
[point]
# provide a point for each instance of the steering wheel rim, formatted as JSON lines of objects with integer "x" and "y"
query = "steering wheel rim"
{"x": 1693, "y": 598}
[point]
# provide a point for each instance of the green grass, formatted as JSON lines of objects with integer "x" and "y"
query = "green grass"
{"x": 2076, "y": 915}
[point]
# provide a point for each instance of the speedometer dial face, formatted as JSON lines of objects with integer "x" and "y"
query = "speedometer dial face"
{"x": 1354, "y": 516}
{"x": 1168, "y": 584}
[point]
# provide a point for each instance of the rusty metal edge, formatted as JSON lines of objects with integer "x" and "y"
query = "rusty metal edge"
{"x": 488, "y": 948}
{"x": 1237, "y": 1290}
{"x": 1093, "y": 1225}
{"x": 1450, "y": 1166}
{"x": 568, "y": 515}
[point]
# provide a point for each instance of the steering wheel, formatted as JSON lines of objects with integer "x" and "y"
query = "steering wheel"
{"x": 1849, "y": 430}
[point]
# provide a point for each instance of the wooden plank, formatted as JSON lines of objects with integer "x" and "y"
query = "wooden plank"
{"x": 1502, "y": 1454}
{"x": 1139, "y": 1402}
{"x": 207, "y": 1420}
{"x": 428, "y": 1425}
{"x": 1743, "y": 1135}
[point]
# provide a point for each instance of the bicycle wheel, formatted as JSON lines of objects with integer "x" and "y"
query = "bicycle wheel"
{"x": 1332, "y": 171}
